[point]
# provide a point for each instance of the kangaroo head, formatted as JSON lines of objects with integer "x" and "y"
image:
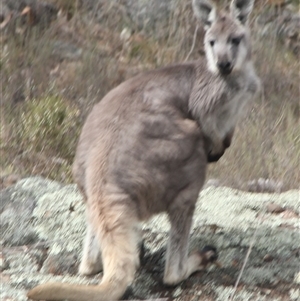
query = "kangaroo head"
{"x": 227, "y": 38}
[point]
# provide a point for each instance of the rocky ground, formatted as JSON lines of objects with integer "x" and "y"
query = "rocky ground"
{"x": 42, "y": 226}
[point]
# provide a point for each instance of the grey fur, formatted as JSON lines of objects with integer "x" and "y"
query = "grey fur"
{"x": 144, "y": 150}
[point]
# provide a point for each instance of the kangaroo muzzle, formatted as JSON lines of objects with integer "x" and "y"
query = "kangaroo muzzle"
{"x": 225, "y": 67}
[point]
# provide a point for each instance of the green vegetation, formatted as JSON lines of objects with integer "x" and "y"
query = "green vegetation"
{"x": 43, "y": 133}
{"x": 49, "y": 125}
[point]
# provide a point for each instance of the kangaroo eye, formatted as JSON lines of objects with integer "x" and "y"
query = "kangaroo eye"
{"x": 236, "y": 41}
{"x": 212, "y": 43}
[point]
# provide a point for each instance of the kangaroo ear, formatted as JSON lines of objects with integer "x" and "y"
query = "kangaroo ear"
{"x": 205, "y": 11}
{"x": 241, "y": 9}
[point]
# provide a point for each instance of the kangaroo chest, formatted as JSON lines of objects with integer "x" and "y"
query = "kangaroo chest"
{"x": 222, "y": 101}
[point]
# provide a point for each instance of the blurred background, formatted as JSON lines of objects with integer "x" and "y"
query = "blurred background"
{"x": 60, "y": 57}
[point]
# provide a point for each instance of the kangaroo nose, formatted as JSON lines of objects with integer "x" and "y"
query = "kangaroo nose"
{"x": 224, "y": 67}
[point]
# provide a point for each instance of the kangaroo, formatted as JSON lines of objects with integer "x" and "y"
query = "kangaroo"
{"x": 144, "y": 149}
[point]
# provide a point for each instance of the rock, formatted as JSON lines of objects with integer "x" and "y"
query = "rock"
{"x": 177, "y": 293}
{"x": 4, "y": 264}
{"x": 265, "y": 185}
{"x": 284, "y": 24}
{"x": 213, "y": 182}
{"x": 268, "y": 258}
{"x": 147, "y": 13}
{"x": 144, "y": 14}
{"x": 9, "y": 180}
{"x": 65, "y": 50}
{"x": 287, "y": 214}
{"x": 28, "y": 12}
{"x": 294, "y": 294}
{"x": 60, "y": 264}
{"x": 297, "y": 278}
{"x": 17, "y": 205}
{"x": 59, "y": 231}
{"x": 274, "y": 208}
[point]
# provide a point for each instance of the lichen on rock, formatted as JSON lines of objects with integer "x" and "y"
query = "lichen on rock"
{"x": 229, "y": 219}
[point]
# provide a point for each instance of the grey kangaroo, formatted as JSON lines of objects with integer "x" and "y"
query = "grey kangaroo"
{"x": 144, "y": 149}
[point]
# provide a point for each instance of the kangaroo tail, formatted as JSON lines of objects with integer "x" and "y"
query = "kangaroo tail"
{"x": 115, "y": 227}
{"x": 73, "y": 292}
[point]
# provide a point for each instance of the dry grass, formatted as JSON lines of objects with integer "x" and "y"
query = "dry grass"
{"x": 35, "y": 79}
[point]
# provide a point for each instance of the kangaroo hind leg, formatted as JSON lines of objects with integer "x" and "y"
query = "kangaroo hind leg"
{"x": 179, "y": 265}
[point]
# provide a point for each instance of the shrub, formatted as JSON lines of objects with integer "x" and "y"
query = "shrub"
{"x": 49, "y": 125}
{"x": 42, "y": 137}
